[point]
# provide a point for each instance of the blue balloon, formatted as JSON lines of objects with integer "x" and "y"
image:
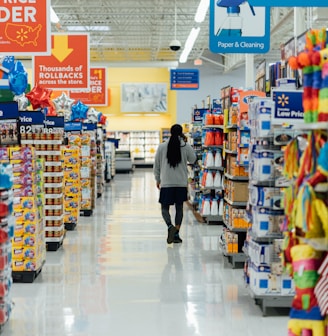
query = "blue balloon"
{"x": 99, "y": 116}
{"x": 79, "y": 111}
{"x": 18, "y": 79}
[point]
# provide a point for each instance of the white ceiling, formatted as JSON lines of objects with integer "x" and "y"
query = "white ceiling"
{"x": 141, "y": 30}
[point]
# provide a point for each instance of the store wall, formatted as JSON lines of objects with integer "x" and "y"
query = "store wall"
{"x": 137, "y": 121}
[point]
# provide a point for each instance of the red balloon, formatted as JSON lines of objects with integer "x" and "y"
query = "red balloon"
{"x": 39, "y": 97}
{"x": 103, "y": 120}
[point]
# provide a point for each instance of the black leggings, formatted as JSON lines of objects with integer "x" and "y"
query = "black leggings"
{"x": 178, "y": 214}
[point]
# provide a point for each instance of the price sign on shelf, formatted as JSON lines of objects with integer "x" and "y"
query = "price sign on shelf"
{"x": 31, "y": 122}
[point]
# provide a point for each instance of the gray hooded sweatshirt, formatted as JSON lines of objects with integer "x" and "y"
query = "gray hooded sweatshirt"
{"x": 168, "y": 176}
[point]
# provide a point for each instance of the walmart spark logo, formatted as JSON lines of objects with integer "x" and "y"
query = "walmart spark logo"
{"x": 283, "y": 100}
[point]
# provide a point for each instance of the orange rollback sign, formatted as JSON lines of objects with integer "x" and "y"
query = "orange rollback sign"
{"x": 67, "y": 68}
{"x": 25, "y": 27}
{"x": 97, "y": 94}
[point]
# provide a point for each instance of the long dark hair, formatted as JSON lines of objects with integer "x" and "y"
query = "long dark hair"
{"x": 173, "y": 148}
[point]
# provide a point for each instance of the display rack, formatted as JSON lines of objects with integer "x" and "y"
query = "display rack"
{"x": 235, "y": 180}
{"x": 101, "y": 135}
{"x": 72, "y": 185}
{"x": 29, "y": 247}
{"x": 50, "y": 142}
{"x": 268, "y": 284}
{"x": 210, "y": 197}
{"x": 7, "y": 221}
{"x": 109, "y": 160}
{"x": 164, "y": 134}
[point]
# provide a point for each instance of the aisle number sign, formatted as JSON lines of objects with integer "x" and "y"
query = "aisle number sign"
{"x": 289, "y": 3}
{"x": 67, "y": 68}
{"x": 25, "y": 27}
{"x": 97, "y": 94}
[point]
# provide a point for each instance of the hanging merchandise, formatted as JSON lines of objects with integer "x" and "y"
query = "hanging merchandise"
{"x": 306, "y": 229}
{"x": 313, "y": 62}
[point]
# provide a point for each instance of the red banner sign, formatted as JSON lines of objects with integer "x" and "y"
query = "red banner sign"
{"x": 67, "y": 68}
{"x": 25, "y": 27}
{"x": 96, "y": 95}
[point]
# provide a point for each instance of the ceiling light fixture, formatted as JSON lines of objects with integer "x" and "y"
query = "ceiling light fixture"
{"x": 202, "y": 10}
{"x": 88, "y": 28}
{"x": 189, "y": 44}
{"x": 53, "y": 16}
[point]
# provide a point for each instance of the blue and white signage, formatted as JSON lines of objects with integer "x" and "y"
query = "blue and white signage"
{"x": 185, "y": 79}
{"x": 9, "y": 110}
{"x": 238, "y": 27}
{"x": 289, "y": 3}
{"x": 289, "y": 107}
{"x": 54, "y": 122}
{"x": 89, "y": 127}
{"x": 73, "y": 126}
{"x": 31, "y": 118}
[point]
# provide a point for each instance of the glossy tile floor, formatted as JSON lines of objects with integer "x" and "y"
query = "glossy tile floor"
{"x": 115, "y": 275}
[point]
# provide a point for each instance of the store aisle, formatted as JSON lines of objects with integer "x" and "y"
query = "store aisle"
{"x": 117, "y": 276}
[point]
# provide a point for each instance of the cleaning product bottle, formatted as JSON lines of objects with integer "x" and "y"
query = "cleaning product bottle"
{"x": 233, "y": 23}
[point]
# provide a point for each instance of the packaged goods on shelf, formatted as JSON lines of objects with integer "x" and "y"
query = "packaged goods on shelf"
{"x": 7, "y": 221}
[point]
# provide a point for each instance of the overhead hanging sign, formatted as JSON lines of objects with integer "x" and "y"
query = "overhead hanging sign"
{"x": 289, "y": 3}
{"x": 67, "y": 67}
{"x": 184, "y": 79}
{"x": 25, "y": 27}
{"x": 238, "y": 27}
{"x": 97, "y": 94}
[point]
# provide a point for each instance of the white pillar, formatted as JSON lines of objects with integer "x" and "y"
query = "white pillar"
{"x": 249, "y": 67}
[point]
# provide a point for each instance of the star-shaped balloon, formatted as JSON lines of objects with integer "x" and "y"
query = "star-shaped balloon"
{"x": 93, "y": 115}
{"x": 22, "y": 102}
{"x": 18, "y": 79}
{"x": 39, "y": 97}
{"x": 63, "y": 102}
{"x": 79, "y": 111}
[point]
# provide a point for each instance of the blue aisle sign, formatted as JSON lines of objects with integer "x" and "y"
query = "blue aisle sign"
{"x": 89, "y": 127}
{"x": 31, "y": 118}
{"x": 238, "y": 27}
{"x": 184, "y": 79}
{"x": 289, "y": 3}
{"x": 289, "y": 107}
{"x": 54, "y": 122}
{"x": 9, "y": 110}
{"x": 73, "y": 126}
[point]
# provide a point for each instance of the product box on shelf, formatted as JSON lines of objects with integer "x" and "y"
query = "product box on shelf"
{"x": 267, "y": 222}
{"x": 262, "y": 281}
{"x": 265, "y": 196}
{"x": 236, "y": 191}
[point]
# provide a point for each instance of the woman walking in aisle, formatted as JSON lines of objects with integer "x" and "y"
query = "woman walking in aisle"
{"x": 171, "y": 175}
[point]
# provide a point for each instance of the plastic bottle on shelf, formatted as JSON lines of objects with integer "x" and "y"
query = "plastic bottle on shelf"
{"x": 214, "y": 207}
{"x": 217, "y": 180}
{"x": 206, "y": 207}
{"x": 209, "y": 159}
{"x": 221, "y": 207}
{"x": 218, "y": 159}
{"x": 209, "y": 180}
